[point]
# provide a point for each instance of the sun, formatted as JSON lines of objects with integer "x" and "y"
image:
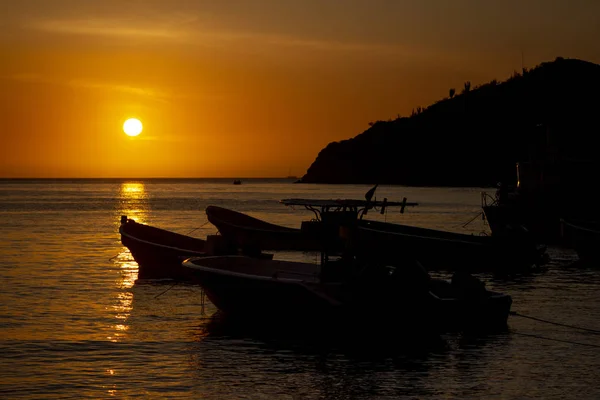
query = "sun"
{"x": 132, "y": 127}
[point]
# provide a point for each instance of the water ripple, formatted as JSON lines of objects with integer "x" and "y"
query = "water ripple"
{"x": 75, "y": 322}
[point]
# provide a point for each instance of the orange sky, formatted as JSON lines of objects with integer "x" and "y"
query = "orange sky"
{"x": 247, "y": 88}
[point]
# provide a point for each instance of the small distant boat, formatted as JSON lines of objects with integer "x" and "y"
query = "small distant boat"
{"x": 237, "y": 182}
{"x": 584, "y": 238}
{"x": 337, "y": 292}
{"x": 290, "y": 175}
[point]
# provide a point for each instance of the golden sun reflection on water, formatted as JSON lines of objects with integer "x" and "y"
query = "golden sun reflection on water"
{"x": 132, "y": 187}
{"x": 122, "y": 312}
{"x": 133, "y": 201}
{"x": 129, "y": 270}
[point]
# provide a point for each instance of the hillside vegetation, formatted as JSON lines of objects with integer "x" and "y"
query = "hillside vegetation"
{"x": 475, "y": 136}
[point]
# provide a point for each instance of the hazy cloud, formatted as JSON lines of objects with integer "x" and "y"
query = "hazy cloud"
{"x": 106, "y": 27}
{"x": 85, "y": 84}
{"x": 190, "y": 30}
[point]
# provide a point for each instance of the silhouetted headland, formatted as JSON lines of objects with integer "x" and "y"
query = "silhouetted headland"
{"x": 473, "y": 138}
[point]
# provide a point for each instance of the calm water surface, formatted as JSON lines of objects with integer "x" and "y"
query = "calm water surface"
{"x": 75, "y": 323}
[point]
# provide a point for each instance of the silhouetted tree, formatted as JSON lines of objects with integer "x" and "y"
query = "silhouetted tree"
{"x": 515, "y": 75}
{"x": 452, "y": 92}
{"x": 467, "y": 87}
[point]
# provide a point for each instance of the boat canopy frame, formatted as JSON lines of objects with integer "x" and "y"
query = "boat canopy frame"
{"x": 360, "y": 207}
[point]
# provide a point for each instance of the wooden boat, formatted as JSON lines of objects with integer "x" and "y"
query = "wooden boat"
{"x": 518, "y": 208}
{"x": 335, "y": 293}
{"x": 253, "y": 234}
{"x": 437, "y": 250}
{"x": 443, "y": 250}
{"x": 584, "y": 238}
{"x": 159, "y": 252}
{"x": 548, "y": 186}
{"x": 250, "y": 233}
{"x": 344, "y": 286}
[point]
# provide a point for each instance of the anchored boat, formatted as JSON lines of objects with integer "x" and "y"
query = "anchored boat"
{"x": 159, "y": 252}
{"x": 402, "y": 297}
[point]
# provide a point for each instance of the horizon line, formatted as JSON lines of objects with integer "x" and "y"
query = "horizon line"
{"x": 142, "y": 178}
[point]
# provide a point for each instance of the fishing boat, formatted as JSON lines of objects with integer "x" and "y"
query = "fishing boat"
{"x": 159, "y": 252}
{"x": 253, "y": 234}
{"x": 584, "y": 238}
{"x": 514, "y": 251}
{"x": 551, "y": 184}
{"x": 340, "y": 293}
{"x": 452, "y": 251}
{"x": 343, "y": 286}
{"x": 436, "y": 249}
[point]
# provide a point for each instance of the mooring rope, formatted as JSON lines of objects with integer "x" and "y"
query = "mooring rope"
{"x": 160, "y": 294}
{"x": 202, "y": 301}
{"x": 202, "y": 298}
{"x": 595, "y": 331}
{"x": 556, "y": 340}
{"x": 195, "y": 229}
{"x": 472, "y": 219}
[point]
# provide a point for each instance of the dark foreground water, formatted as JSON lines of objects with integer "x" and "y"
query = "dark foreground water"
{"x": 74, "y": 322}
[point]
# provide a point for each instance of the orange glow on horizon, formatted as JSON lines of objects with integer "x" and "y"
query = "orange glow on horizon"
{"x": 224, "y": 99}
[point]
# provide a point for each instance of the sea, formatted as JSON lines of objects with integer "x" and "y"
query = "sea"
{"x": 75, "y": 322}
